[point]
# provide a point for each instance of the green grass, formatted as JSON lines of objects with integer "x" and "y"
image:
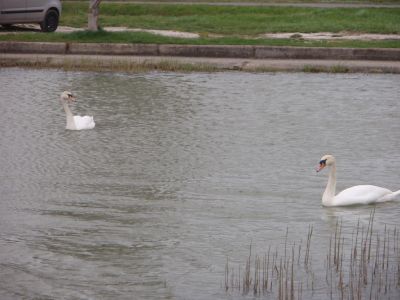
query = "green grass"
{"x": 236, "y": 20}
{"x": 265, "y": 1}
{"x": 239, "y": 25}
{"x": 147, "y": 38}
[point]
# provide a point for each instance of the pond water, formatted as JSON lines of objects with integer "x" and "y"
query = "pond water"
{"x": 181, "y": 172}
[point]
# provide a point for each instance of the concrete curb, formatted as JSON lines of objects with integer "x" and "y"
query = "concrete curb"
{"x": 111, "y": 49}
{"x": 212, "y": 51}
{"x": 36, "y": 48}
{"x": 207, "y": 51}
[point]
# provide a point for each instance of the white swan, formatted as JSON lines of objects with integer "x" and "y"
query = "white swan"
{"x": 359, "y": 194}
{"x": 75, "y": 122}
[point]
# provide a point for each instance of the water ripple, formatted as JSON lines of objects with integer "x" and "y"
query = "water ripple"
{"x": 180, "y": 171}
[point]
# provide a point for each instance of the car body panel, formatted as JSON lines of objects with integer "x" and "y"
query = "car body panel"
{"x": 26, "y": 11}
{"x": 12, "y": 11}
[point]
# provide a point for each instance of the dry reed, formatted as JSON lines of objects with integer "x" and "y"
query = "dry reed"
{"x": 365, "y": 267}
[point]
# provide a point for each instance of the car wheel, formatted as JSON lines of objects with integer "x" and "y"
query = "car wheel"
{"x": 50, "y": 22}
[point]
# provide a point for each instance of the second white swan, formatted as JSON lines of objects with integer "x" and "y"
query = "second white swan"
{"x": 359, "y": 194}
{"x": 75, "y": 122}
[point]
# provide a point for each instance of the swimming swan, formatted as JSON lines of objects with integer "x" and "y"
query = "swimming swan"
{"x": 75, "y": 122}
{"x": 359, "y": 194}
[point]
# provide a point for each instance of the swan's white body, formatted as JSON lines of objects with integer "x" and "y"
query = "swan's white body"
{"x": 75, "y": 122}
{"x": 359, "y": 194}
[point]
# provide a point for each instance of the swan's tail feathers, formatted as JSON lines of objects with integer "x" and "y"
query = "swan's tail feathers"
{"x": 91, "y": 123}
{"x": 395, "y": 196}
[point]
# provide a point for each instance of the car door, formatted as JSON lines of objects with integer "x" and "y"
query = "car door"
{"x": 12, "y": 11}
{"x": 35, "y": 9}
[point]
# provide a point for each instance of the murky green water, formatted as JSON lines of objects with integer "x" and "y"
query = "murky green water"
{"x": 181, "y": 172}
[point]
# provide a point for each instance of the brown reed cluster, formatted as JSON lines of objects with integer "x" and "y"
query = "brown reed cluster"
{"x": 365, "y": 266}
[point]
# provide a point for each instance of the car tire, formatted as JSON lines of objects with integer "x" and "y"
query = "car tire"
{"x": 50, "y": 22}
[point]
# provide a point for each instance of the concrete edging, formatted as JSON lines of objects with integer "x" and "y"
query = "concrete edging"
{"x": 111, "y": 49}
{"x": 225, "y": 51}
{"x": 28, "y": 47}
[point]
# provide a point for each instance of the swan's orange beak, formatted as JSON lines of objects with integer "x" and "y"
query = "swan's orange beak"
{"x": 320, "y": 167}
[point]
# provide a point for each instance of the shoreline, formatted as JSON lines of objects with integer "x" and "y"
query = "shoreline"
{"x": 190, "y": 58}
{"x": 124, "y": 63}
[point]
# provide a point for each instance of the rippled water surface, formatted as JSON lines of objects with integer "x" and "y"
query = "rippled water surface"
{"x": 181, "y": 172}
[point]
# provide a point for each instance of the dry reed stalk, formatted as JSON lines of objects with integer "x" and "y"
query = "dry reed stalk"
{"x": 307, "y": 255}
{"x": 267, "y": 271}
{"x": 280, "y": 289}
{"x": 368, "y": 268}
{"x": 247, "y": 277}
{"x": 292, "y": 276}
{"x": 370, "y": 226}
{"x": 227, "y": 274}
{"x": 299, "y": 253}
{"x": 256, "y": 275}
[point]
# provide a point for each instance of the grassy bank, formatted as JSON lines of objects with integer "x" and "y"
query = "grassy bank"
{"x": 219, "y": 25}
{"x": 236, "y": 20}
{"x": 264, "y": 1}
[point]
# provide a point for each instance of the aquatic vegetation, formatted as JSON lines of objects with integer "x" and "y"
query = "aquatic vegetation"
{"x": 367, "y": 266}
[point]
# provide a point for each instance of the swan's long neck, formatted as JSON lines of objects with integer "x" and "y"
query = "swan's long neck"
{"x": 329, "y": 194}
{"x": 70, "y": 117}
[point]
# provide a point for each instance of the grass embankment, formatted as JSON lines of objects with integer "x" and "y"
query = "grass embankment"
{"x": 237, "y": 20}
{"x": 266, "y": 1}
{"x": 231, "y": 25}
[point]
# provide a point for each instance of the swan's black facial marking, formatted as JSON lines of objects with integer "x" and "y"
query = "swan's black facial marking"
{"x": 71, "y": 97}
{"x": 322, "y": 162}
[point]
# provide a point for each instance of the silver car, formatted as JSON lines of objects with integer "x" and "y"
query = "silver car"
{"x": 45, "y": 12}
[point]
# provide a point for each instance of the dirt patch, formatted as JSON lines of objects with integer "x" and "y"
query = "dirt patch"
{"x": 169, "y": 33}
{"x": 191, "y": 35}
{"x": 331, "y": 36}
{"x": 66, "y": 29}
